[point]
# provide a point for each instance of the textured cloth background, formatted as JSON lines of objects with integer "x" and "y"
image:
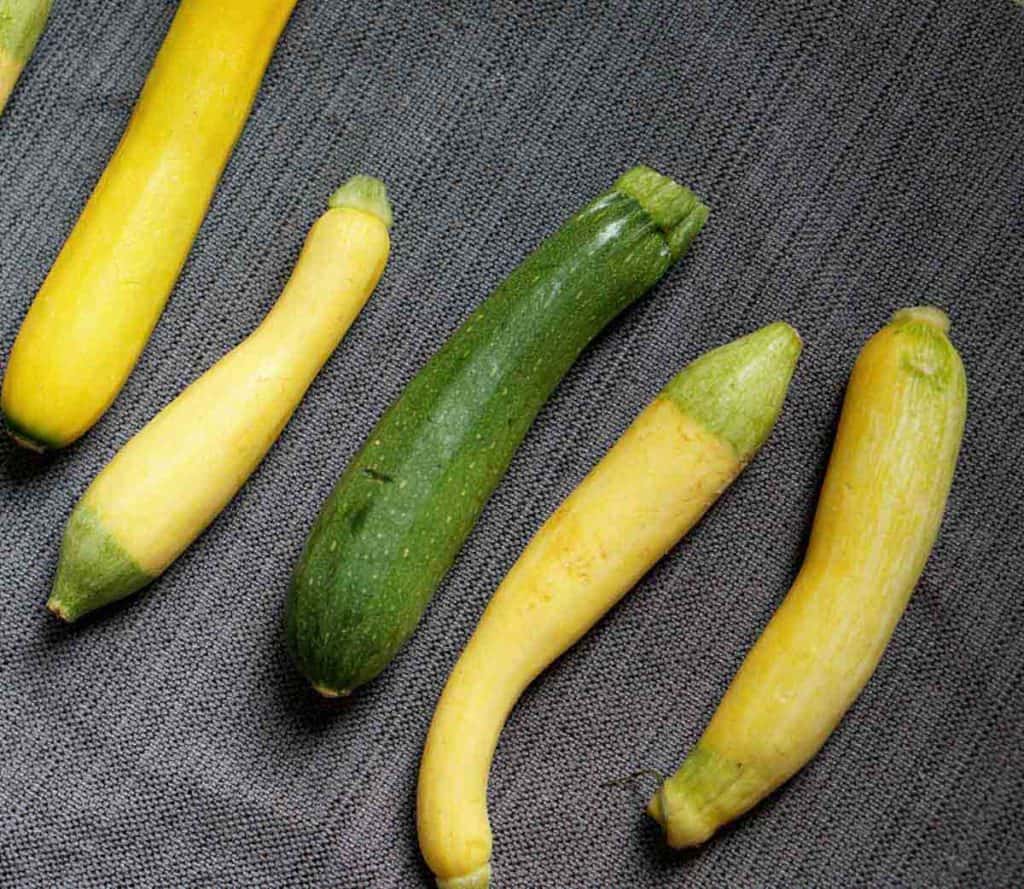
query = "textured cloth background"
{"x": 859, "y": 156}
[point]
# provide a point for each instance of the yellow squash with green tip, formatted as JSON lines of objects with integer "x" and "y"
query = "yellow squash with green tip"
{"x": 173, "y": 478}
{"x": 97, "y": 307}
{"x": 879, "y": 513}
{"x": 649, "y": 490}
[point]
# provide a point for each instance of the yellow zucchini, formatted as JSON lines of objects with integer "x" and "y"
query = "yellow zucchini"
{"x": 649, "y": 490}
{"x": 97, "y": 307}
{"x": 173, "y": 478}
{"x": 880, "y": 509}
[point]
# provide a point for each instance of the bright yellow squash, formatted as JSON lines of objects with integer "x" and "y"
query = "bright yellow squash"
{"x": 173, "y": 478}
{"x": 648, "y": 491}
{"x": 96, "y": 309}
{"x": 878, "y": 516}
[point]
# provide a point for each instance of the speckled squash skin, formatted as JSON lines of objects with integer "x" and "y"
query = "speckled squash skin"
{"x": 398, "y": 516}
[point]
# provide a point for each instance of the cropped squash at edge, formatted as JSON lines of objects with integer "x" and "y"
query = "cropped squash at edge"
{"x": 21, "y": 23}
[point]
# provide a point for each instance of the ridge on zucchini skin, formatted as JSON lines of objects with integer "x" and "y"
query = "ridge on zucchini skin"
{"x": 379, "y": 550}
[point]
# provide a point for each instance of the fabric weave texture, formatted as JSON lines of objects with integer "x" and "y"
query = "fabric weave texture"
{"x": 858, "y": 156}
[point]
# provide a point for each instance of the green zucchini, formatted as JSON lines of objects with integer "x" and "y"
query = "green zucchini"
{"x": 390, "y": 530}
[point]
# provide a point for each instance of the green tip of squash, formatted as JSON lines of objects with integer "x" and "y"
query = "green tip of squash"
{"x": 684, "y": 805}
{"x": 478, "y": 879}
{"x": 930, "y": 315}
{"x": 736, "y": 391}
{"x": 58, "y": 610}
{"x": 364, "y": 193}
{"x": 655, "y": 808}
{"x": 21, "y": 23}
{"x": 674, "y": 208}
{"x": 66, "y": 602}
{"x": 93, "y": 569}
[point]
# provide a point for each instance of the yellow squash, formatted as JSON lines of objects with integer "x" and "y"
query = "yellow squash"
{"x": 96, "y": 309}
{"x": 878, "y": 516}
{"x": 173, "y": 478}
{"x": 648, "y": 491}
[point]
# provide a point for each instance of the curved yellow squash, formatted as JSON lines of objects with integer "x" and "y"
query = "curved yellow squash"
{"x": 94, "y": 313}
{"x": 880, "y": 509}
{"x": 649, "y": 490}
{"x": 172, "y": 479}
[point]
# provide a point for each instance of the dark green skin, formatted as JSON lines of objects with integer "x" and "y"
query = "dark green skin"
{"x": 398, "y": 516}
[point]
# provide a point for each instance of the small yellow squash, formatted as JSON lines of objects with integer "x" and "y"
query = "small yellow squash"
{"x": 172, "y": 479}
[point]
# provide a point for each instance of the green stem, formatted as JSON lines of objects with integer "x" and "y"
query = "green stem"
{"x": 674, "y": 208}
{"x": 364, "y": 193}
{"x": 923, "y": 315}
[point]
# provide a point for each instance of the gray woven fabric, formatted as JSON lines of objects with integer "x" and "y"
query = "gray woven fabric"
{"x": 860, "y": 155}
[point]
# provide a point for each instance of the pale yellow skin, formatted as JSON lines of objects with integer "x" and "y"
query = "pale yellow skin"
{"x": 94, "y": 313}
{"x": 652, "y": 487}
{"x": 880, "y": 508}
{"x": 10, "y": 71}
{"x": 170, "y": 481}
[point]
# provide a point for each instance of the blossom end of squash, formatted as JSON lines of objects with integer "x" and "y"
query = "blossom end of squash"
{"x": 477, "y": 879}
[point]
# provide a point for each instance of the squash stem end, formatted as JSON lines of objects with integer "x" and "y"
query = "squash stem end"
{"x": 673, "y": 207}
{"x": 923, "y": 315}
{"x": 364, "y": 193}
